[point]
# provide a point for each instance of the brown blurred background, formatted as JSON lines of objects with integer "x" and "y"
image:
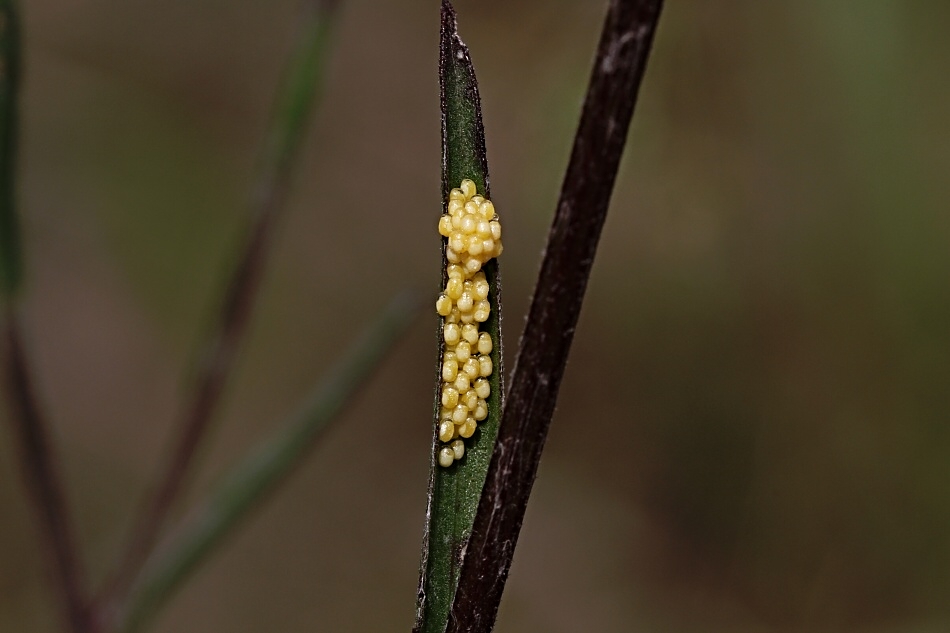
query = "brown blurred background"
{"x": 752, "y": 434}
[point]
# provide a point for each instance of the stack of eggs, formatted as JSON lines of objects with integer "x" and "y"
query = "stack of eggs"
{"x": 474, "y": 237}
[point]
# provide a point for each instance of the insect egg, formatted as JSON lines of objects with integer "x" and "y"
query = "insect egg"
{"x": 484, "y": 365}
{"x": 450, "y": 370}
{"x": 446, "y": 457}
{"x": 446, "y": 430}
{"x": 484, "y": 343}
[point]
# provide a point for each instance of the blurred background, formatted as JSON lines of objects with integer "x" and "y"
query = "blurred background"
{"x": 753, "y": 431}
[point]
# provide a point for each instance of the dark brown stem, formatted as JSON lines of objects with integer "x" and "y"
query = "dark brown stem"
{"x": 559, "y": 292}
{"x": 215, "y": 364}
{"x": 43, "y": 480}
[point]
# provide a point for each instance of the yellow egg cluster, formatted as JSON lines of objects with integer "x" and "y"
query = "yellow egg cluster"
{"x": 474, "y": 237}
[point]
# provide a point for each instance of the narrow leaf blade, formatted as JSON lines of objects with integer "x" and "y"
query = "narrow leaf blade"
{"x": 621, "y": 60}
{"x": 10, "y": 246}
{"x": 454, "y": 492}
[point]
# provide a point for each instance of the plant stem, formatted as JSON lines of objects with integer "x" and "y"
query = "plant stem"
{"x": 572, "y": 243}
{"x": 11, "y": 264}
{"x": 294, "y": 105}
{"x": 259, "y": 473}
{"x": 43, "y": 480}
{"x": 36, "y": 456}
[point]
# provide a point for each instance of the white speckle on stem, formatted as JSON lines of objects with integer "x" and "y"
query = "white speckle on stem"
{"x": 609, "y": 63}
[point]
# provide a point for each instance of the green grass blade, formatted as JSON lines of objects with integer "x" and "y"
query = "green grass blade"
{"x": 304, "y": 77}
{"x": 10, "y": 249}
{"x": 262, "y": 470}
{"x": 215, "y": 360}
{"x": 454, "y": 492}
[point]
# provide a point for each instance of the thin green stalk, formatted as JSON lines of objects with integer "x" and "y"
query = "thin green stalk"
{"x": 255, "y": 477}
{"x": 10, "y": 249}
{"x": 297, "y": 94}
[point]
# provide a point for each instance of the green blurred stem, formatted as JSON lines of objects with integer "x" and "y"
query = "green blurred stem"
{"x": 304, "y": 76}
{"x": 302, "y": 83}
{"x": 10, "y": 249}
{"x": 259, "y": 473}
